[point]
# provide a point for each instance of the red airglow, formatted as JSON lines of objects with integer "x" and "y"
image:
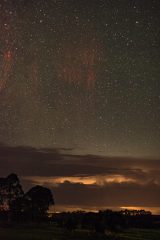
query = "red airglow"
{"x": 5, "y": 68}
{"x": 79, "y": 65}
{"x": 8, "y": 55}
{"x": 6, "y": 39}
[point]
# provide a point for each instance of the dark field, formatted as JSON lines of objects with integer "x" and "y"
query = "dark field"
{"x": 53, "y": 233}
{"x": 141, "y": 234}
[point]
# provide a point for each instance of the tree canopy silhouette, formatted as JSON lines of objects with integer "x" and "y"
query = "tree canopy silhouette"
{"x": 33, "y": 205}
{"x": 10, "y": 189}
{"x": 41, "y": 199}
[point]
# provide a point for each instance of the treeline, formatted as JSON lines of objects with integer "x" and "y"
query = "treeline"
{"x": 15, "y": 205}
{"x": 106, "y": 220}
{"x": 32, "y": 206}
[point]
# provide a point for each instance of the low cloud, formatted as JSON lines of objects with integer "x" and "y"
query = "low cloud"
{"x": 99, "y": 180}
{"x": 85, "y": 180}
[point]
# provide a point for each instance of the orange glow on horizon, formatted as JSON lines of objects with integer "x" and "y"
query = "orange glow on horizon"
{"x": 153, "y": 210}
{"x": 60, "y": 208}
{"x": 87, "y": 180}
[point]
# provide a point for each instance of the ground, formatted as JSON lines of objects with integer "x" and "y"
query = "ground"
{"x": 53, "y": 233}
{"x": 141, "y": 234}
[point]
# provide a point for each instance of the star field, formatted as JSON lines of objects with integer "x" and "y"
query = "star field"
{"x": 82, "y": 75}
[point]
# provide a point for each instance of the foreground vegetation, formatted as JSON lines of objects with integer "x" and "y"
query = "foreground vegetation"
{"x": 51, "y": 232}
{"x": 18, "y": 210}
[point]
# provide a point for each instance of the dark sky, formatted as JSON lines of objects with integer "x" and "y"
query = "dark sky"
{"x": 81, "y": 76}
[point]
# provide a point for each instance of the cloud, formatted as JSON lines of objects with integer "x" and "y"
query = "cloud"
{"x": 99, "y": 180}
{"x": 114, "y": 194}
{"x": 85, "y": 180}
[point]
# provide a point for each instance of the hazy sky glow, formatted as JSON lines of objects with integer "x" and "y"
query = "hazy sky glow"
{"x": 81, "y": 77}
{"x": 86, "y": 181}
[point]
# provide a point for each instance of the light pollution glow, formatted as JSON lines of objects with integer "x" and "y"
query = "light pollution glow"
{"x": 86, "y": 180}
{"x": 154, "y": 210}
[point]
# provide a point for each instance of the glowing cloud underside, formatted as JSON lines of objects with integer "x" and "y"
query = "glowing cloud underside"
{"x": 89, "y": 180}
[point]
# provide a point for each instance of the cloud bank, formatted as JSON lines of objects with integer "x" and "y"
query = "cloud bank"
{"x": 85, "y": 181}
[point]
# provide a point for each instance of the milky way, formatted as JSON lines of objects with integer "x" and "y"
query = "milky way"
{"x": 81, "y": 74}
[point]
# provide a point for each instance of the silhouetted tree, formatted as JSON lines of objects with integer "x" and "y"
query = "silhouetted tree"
{"x": 21, "y": 209}
{"x": 10, "y": 189}
{"x": 16, "y": 205}
{"x": 13, "y": 187}
{"x": 40, "y": 199}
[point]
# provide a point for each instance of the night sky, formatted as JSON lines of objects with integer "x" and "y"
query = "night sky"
{"x": 80, "y": 82}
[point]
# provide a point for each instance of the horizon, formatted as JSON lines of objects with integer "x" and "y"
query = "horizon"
{"x": 80, "y": 100}
{"x": 133, "y": 182}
